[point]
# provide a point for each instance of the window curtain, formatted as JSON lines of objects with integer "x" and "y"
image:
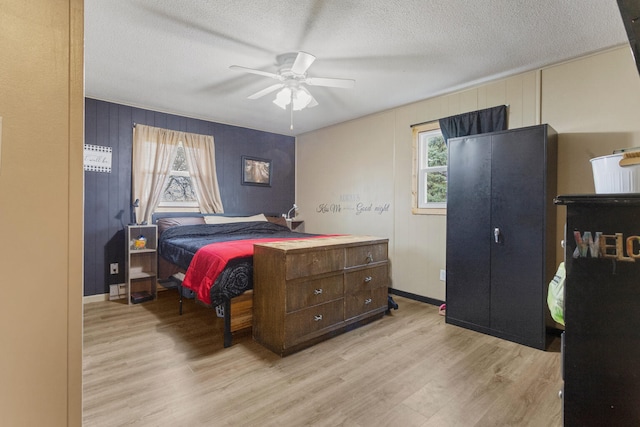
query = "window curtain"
{"x": 475, "y": 122}
{"x": 153, "y": 153}
{"x": 201, "y": 161}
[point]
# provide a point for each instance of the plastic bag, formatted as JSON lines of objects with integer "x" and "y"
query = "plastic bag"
{"x": 555, "y": 296}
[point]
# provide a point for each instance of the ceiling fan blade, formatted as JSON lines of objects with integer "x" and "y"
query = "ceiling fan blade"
{"x": 266, "y": 91}
{"x": 302, "y": 63}
{"x": 324, "y": 81}
{"x": 254, "y": 71}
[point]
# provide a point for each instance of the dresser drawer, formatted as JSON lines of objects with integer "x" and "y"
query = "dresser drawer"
{"x": 366, "y": 279}
{"x": 365, "y": 254}
{"x": 364, "y": 301}
{"x": 302, "y": 323}
{"x": 310, "y": 263}
{"x": 307, "y": 293}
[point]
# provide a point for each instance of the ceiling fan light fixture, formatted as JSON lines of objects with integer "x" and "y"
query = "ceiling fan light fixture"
{"x": 301, "y": 98}
{"x": 283, "y": 98}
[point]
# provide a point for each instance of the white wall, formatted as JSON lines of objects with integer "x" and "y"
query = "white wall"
{"x": 369, "y": 160}
{"x": 348, "y": 173}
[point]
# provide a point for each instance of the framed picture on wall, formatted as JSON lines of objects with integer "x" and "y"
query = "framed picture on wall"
{"x": 256, "y": 171}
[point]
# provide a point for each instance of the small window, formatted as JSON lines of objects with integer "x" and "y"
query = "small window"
{"x": 179, "y": 192}
{"x": 430, "y": 163}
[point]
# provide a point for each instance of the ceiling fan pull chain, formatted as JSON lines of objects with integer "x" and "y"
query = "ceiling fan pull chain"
{"x": 291, "y": 110}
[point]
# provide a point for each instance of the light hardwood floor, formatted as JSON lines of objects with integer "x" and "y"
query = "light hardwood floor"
{"x": 146, "y": 365}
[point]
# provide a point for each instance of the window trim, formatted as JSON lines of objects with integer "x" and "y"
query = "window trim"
{"x": 425, "y": 127}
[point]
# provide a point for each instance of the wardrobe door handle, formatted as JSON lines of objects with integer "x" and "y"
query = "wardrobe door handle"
{"x": 496, "y": 234}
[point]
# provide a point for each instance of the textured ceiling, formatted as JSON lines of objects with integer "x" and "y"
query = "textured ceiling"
{"x": 174, "y": 56}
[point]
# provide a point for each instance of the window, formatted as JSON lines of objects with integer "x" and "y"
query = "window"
{"x": 432, "y": 178}
{"x": 179, "y": 191}
{"x": 162, "y": 153}
{"x": 430, "y": 166}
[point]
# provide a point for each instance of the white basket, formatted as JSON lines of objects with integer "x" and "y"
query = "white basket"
{"x": 610, "y": 177}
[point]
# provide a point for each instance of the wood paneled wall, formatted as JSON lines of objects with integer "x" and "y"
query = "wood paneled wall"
{"x": 108, "y": 195}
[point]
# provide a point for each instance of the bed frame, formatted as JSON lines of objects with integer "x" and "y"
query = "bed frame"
{"x": 238, "y": 311}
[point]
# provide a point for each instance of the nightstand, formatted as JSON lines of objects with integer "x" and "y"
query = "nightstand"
{"x": 296, "y": 225}
{"x": 141, "y": 269}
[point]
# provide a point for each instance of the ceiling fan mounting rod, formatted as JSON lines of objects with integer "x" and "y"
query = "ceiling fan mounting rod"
{"x": 292, "y": 83}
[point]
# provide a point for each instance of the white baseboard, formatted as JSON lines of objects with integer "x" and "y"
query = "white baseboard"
{"x": 95, "y": 298}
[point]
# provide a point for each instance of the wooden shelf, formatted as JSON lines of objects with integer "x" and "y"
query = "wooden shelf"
{"x": 141, "y": 251}
{"x": 135, "y": 275}
{"x": 141, "y": 268}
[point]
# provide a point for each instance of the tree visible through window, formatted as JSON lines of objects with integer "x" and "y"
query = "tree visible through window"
{"x": 433, "y": 168}
{"x": 179, "y": 190}
{"x": 430, "y": 157}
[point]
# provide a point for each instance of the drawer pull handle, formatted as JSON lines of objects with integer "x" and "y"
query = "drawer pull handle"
{"x": 369, "y": 258}
{"x": 368, "y": 279}
{"x": 367, "y": 301}
{"x": 317, "y": 291}
{"x": 317, "y": 317}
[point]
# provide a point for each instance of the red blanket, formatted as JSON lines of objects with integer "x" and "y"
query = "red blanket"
{"x": 210, "y": 260}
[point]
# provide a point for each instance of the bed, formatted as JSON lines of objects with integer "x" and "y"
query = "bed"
{"x": 210, "y": 257}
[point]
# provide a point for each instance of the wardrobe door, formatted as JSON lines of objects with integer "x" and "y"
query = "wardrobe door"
{"x": 468, "y": 237}
{"x": 517, "y": 249}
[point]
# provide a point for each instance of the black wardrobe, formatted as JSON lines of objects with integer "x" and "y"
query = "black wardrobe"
{"x": 501, "y": 234}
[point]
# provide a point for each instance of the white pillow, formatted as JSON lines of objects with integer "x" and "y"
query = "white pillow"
{"x": 219, "y": 219}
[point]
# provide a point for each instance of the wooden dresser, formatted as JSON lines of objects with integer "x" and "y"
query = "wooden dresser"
{"x": 305, "y": 291}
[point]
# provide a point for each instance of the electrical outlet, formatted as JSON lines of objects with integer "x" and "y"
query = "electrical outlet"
{"x": 114, "y": 268}
{"x": 443, "y": 275}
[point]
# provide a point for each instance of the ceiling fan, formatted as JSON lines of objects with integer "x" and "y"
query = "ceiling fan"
{"x": 292, "y": 78}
